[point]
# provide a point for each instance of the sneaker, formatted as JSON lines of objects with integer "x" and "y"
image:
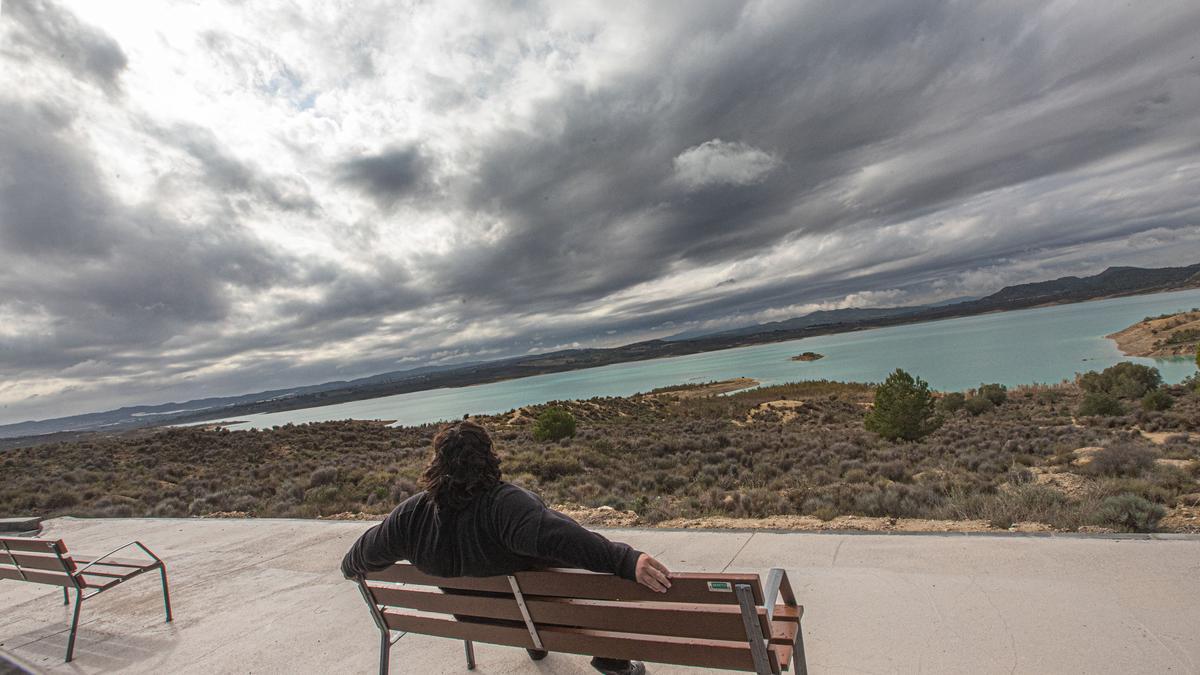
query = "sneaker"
{"x": 634, "y": 668}
{"x": 537, "y": 654}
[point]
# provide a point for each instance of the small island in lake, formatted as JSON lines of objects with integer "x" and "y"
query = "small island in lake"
{"x": 1161, "y": 336}
{"x": 808, "y": 356}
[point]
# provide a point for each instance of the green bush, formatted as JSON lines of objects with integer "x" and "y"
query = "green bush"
{"x": 1124, "y": 380}
{"x": 977, "y": 405}
{"x": 952, "y": 402}
{"x": 996, "y": 393}
{"x": 1121, "y": 459}
{"x": 1100, "y": 404}
{"x": 1129, "y": 512}
{"x": 554, "y": 424}
{"x": 1157, "y": 399}
{"x": 904, "y": 408}
{"x": 1048, "y": 397}
{"x": 1192, "y": 383}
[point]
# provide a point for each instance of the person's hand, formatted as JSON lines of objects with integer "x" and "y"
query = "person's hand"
{"x": 653, "y": 574}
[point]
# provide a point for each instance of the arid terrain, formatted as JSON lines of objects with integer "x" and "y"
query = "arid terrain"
{"x": 793, "y": 457}
{"x": 1161, "y": 336}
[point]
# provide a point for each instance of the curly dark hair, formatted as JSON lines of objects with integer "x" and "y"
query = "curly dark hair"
{"x": 464, "y": 465}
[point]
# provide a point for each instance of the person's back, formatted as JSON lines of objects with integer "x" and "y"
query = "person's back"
{"x": 468, "y": 522}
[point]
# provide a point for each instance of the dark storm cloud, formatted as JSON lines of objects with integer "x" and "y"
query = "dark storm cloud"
{"x": 390, "y": 176}
{"x": 50, "y": 200}
{"x": 105, "y": 276}
{"x": 830, "y": 91}
{"x": 45, "y": 31}
{"x": 385, "y": 289}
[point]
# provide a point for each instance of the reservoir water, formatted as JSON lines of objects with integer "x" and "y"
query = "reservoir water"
{"x": 1044, "y": 345}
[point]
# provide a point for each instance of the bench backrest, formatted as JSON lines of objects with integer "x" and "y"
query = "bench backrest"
{"x": 41, "y": 561}
{"x": 698, "y": 622}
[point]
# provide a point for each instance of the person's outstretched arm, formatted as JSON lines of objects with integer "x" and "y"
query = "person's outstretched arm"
{"x": 527, "y": 527}
{"x": 378, "y": 547}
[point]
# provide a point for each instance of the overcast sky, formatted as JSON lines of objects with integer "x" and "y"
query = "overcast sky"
{"x": 200, "y": 198}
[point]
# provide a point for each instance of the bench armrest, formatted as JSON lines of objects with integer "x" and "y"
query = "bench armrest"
{"x": 778, "y": 586}
{"x": 120, "y": 548}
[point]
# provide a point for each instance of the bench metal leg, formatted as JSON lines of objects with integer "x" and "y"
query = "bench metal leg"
{"x": 385, "y": 649}
{"x": 470, "y": 648}
{"x": 162, "y": 570}
{"x": 754, "y": 633}
{"x": 74, "y": 625}
{"x": 798, "y": 651}
{"x": 66, "y": 596}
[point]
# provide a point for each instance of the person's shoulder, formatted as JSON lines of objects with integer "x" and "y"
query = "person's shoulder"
{"x": 515, "y": 496}
{"x": 417, "y": 502}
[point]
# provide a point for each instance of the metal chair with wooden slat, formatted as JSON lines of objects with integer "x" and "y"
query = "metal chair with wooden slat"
{"x": 704, "y": 620}
{"x": 46, "y": 561}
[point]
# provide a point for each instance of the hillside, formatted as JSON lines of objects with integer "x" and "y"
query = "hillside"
{"x": 796, "y": 454}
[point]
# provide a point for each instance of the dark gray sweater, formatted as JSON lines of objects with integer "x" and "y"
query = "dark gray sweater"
{"x": 502, "y": 531}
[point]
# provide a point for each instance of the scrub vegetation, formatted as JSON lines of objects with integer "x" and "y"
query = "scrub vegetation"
{"x": 993, "y": 455}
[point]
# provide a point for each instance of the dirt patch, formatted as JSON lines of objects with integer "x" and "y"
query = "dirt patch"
{"x": 1071, "y": 484}
{"x": 1027, "y": 526}
{"x": 604, "y": 516}
{"x": 1161, "y": 437}
{"x": 782, "y": 411}
{"x": 1182, "y": 464}
{"x": 519, "y": 417}
{"x": 1181, "y": 519}
{"x": 1084, "y": 456}
{"x": 348, "y": 515}
{"x": 841, "y": 523}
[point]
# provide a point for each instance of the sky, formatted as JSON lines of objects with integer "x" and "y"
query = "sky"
{"x": 213, "y": 198}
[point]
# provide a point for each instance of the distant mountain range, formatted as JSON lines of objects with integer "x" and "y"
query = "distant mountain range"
{"x": 817, "y": 318}
{"x": 1112, "y": 282}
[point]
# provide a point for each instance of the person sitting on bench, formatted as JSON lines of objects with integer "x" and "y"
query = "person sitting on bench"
{"x": 468, "y": 522}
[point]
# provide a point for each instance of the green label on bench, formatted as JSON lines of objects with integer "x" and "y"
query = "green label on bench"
{"x": 720, "y": 586}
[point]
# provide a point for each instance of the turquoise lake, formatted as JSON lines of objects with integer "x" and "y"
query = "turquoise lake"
{"x": 1046, "y": 345}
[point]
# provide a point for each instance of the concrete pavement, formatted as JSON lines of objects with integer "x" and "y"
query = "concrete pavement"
{"x": 264, "y": 596}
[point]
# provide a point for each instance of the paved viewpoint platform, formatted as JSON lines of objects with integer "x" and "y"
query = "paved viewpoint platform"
{"x": 265, "y": 596}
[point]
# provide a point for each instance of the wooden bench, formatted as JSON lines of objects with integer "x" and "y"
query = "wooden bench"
{"x": 46, "y": 561}
{"x": 705, "y": 620}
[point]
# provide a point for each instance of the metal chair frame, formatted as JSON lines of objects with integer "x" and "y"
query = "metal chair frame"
{"x": 80, "y": 595}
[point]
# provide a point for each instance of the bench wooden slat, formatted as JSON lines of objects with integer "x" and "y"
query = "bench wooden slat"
{"x": 679, "y": 651}
{"x": 786, "y": 613}
{"x": 706, "y": 621}
{"x": 39, "y": 577}
{"x": 38, "y": 562}
{"x": 784, "y": 632}
{"x": 685, "y": 587}
{"x": 33, "y": 545}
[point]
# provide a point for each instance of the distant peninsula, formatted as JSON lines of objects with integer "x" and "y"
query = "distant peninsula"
{"x": 808, "y": 356}
{"x": 1161, "y": 336}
